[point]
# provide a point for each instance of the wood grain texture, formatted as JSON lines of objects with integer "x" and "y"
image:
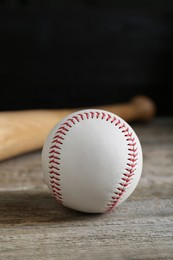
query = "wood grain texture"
{"x": 33, "y": 226}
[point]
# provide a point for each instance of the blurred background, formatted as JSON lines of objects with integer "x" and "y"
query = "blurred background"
{"x": 59, "y": 54}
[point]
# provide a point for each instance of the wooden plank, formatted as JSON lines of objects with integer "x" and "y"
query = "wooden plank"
{"x": 34, "y": 226}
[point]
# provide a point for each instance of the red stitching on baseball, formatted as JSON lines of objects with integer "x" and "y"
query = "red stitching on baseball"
{"x": 109, "y": 117}
{"x": 82, "y": 117}
{"x": 97, "y": 114}
{"x": 57, "y": 143}
{"x": 103, "y": 115}
{"x": 87, "y": 115}
{"x": 92, "y": 114}
{"x": 76, "y": 118}
{"x": 113, "y": 120}
{"x": 71, "y": 120}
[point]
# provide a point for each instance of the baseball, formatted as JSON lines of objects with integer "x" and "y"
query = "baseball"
{"x": 92, "y": 161}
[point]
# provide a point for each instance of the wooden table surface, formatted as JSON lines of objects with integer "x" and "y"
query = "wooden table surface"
{"x": 34, "y": 226}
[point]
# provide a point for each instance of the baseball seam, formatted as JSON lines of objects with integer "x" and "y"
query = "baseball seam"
{"x": 57, "y": 143}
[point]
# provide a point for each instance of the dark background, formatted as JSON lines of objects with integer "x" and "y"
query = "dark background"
{"x": 56, "y": 54}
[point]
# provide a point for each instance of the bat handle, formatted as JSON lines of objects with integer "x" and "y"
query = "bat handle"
{"x": 140, "y": 108}
{"x": 144, "y": 108}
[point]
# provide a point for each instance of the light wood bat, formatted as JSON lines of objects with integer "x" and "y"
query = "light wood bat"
{"x": 24, "y": 131}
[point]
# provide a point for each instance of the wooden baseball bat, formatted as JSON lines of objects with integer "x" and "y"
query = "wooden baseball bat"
{"x": 25, "y": 131}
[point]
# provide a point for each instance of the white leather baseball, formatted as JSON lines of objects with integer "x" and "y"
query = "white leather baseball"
{"x": 92, "y": 161}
